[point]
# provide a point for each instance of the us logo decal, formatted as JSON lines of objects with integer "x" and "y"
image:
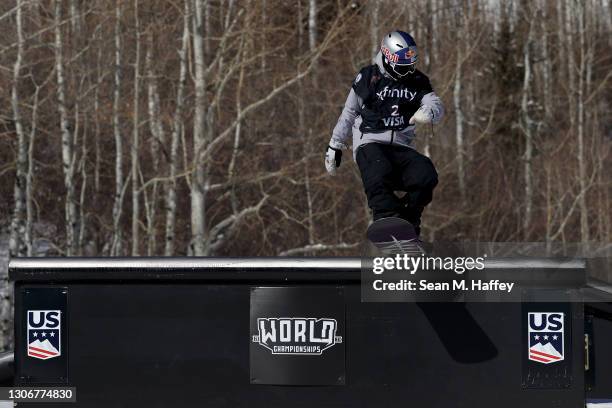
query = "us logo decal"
{"x": 545, "y": 337}
{"x": 44, "y": 332}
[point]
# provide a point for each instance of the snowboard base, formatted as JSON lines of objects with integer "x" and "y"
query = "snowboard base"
{"x": 393, "y": 235}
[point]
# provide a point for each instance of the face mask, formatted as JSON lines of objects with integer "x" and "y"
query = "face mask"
{"x": 398, "y": 70}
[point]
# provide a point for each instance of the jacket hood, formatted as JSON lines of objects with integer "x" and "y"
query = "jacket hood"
{"x": 379, "y": 62}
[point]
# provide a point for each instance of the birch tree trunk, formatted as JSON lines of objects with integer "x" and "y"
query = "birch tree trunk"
{"x": 264, "y": 21}
{"x": 98, "y": 157}
{"x": 17, "y": 246}
{"x": 175, "y": 138}
{"x": 571, "y": 60}
{"x": 432, "y": 12}
{"x": 159, "y": 139}
{"x": 117, "y": 244}
{"x": 374, "y": 26}
{"x": 582, "y": 176}
{"x": 237, "y": 134}
{"x": 459, "y": 137}
{"x": 312, "y": 24}
{"x": 590, "y": 118}
{"x": 527, "y": 130}
{"x": 206, "y": 28}
{"x": 546, "y": 62}
{"x": 306, "y": 136}
{"x": 75, "y": 20}
{"x": 198, "y": 216}
{"x": 29, "y": 239}
{"x": 135, "y": 141}
{"x": 67, "y": 142}
{"x": 83, "y": 169}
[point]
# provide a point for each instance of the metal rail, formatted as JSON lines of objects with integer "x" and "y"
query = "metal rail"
{"x": 241, "y": 269}
{"x": 344, "y": 263}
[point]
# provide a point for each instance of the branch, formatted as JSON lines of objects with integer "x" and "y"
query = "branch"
{"x": 219, "y": 233}
{"x": 317, "y": 248}
{"x": 324, "y": 46}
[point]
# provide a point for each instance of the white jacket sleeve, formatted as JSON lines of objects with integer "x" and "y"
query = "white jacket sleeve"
{"x": 432, "y": 103}
{"x": 343, "y": 129}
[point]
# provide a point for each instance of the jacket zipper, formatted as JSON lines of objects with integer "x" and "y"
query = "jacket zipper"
{"x": 392, "y": 135}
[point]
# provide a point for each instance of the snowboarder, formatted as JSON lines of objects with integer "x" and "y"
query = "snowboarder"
{"x": 386, "y": 101}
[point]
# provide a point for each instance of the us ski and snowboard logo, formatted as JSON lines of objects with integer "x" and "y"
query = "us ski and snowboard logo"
{"x": 44, "y": 334}
{"x": 297, "y": 335}
{"x": 545, "y": 331}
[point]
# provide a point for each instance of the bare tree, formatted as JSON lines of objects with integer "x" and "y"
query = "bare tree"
{"x": 158, "y": 140}
{"x": 579, "y": 9}
{"x": 68, "y": 158}
{"x": 177, "y": 126}
{"x": 457, "y": 92}
{"x": 527, "y": 125}
{"x": 29, "y": 237}
{"x": 136, "y": 141}
{"x": 198, "y": 186}
{"x": 117, "y": 239}
{"x": 16, "y": 243}
{"x": 223, "y": 155}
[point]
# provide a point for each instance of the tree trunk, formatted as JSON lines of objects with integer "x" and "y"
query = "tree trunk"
{"x": 177, "y": 125}
{"x": 528, "y": 131}
{"x": 546, "y": 62}
{"x": 307, "y": 136}
{"x": 198, "y": 216}
{"x": 459, "y": 137}
{"x": 98, "y": 157}
{"x": 17, "y": 246}
{"x": 75, "y": 20}
{"x": 237, "y": 133}
{"x": 312, "y": 24}
{"x": 83, "y": 168}
{"x": 582, "y": 176}
{"x": 136, "y": 142}
{"x": 374, "y": 26}
{"x": 29, "y": 239}
{"x": 571, "y": 61}
{"x": 67, "y": 142}
{"x": 157, "y": 141}
{"x": 117, "y": 244}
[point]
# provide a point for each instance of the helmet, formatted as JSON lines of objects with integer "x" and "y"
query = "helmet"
{"x": 399, "y": 54}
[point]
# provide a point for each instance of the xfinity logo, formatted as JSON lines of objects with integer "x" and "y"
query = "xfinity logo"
{"x": 297, "y": 335}
{"x": 395, "y": 93}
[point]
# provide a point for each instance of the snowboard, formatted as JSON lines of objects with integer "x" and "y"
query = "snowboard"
{"x": 393, "y": 235}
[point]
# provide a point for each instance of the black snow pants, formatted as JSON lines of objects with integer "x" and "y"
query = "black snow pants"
{"x": 386, "y": 169}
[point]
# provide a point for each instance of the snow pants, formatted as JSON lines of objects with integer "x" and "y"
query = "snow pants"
{"x": 386, "y": 169}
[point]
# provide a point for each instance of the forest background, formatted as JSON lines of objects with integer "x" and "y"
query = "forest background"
{"x": 198, "y": 127}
